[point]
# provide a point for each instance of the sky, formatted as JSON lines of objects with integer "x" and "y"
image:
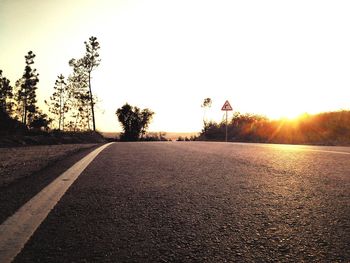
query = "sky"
{"x": 275, "y": 58}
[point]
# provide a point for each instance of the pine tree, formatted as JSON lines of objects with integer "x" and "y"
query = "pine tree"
{"x": 92, "y": 61}
{"x": 85, "y": 66}
{"x": 6, "y": 95}
{"x": 59, "y": 101}
{"x": 206, "y": 105}
{"x": 80, "y": 97}
{"x": 27, "y": 90}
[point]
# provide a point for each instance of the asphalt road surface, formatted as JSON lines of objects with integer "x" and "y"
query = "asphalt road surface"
{"x": 202, "y": 202}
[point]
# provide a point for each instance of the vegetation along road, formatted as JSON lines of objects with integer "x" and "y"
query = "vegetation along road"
{"x": 201, "y": 202}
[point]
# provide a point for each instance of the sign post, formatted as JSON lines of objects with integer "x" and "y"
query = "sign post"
{"x": 226, "y": 107}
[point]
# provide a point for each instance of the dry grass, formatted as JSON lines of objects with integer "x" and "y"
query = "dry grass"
{"x": 20, "y": 162}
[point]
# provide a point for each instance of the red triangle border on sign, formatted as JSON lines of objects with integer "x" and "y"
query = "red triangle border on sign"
{"x": 226, "y": 106}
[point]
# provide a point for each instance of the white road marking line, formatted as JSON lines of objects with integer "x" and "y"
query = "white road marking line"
{"x": 18, "y": 228}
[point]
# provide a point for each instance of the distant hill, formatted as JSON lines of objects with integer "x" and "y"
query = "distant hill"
{"x": 175, "y": 135}
{"x": 110, "y": 135}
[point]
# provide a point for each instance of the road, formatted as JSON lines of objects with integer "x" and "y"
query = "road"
{"x": 202, "y": 202}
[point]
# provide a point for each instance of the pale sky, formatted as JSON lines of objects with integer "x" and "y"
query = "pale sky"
{"x": 277, "y": 58}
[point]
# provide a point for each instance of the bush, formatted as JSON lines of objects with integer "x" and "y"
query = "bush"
{"x": 9, "y": 125}
{"x": 330, "y": 128}
{"x": 134, "y": 121}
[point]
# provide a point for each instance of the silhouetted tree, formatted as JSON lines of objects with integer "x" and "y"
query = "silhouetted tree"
{"x": 85, "y": 66}
{"x": 10, "y": 125}
{"x": 26, "y": 96}
{"x": 40, "y": 121}
{"x": 146, "y": 117}
{"x": 78, "y": 88}
{"x": 59, "y": 101}
{"x": 92, "y": 61}
{"x": 206, "y": 105}
{"x": 134, "y": 121}
{"x": 6, "y": 95}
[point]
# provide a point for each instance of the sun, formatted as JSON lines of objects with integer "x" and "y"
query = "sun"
{"x": 285, "y": 113}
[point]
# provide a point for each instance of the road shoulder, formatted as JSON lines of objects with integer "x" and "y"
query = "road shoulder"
{"x": 14, "y": 195}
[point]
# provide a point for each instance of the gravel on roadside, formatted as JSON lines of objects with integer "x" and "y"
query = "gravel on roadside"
{"x": 19, "y": 162}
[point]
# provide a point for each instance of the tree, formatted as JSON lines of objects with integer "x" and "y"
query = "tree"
{"x": 80, "y": 97}
{"x": 134, "y": 121}
{"x": 10, "y": 125}
{"x": 40, "y": 121}
{"x": 26, "y": 95}
{"x": 206, "y": 105}
{"x": 91, "y": 62}
{"x": 85, "y": 66}
{"x": 59, "y": 100}
{"x": 146, "y": 117}
{"x": 6, "y": 94}
{"x": 7, "y": 124}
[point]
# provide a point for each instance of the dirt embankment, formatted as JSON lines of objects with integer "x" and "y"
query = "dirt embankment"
{"x": 19, "y": 162}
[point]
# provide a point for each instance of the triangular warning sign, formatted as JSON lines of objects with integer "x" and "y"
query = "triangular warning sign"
{"x": 227, "y": 106}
